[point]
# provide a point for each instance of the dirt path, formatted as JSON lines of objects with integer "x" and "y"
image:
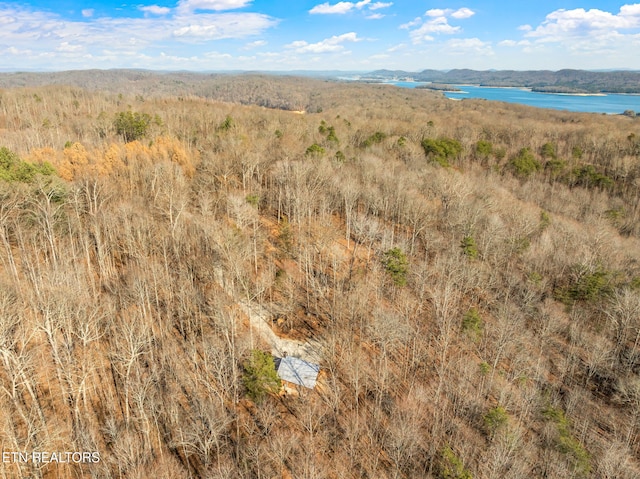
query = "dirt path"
{"x": 259, "y": 319}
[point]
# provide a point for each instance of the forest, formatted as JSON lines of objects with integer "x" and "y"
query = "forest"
{"x": 465, "y": 273}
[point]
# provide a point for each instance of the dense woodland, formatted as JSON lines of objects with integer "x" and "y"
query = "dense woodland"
{"x": 468, "y": 273}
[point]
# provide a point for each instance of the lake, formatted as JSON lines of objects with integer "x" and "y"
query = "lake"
{"x": 610, "y": 103}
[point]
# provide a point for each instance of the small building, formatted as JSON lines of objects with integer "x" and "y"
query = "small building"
{"x": 297, "y": 371}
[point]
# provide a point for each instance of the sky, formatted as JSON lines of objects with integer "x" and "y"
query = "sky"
{"x": 365, "y": 35}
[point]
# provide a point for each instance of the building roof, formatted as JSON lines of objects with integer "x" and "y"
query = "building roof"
{"x": 297, "y": 371}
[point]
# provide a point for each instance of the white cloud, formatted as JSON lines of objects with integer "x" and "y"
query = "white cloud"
{"x": 199, "y": 31}
{"x": 460, "y": 14}
{"x": 413, "y": 23}
{"x": 218, "y": 55}
{"x": 379, "y": 5}
{"x": 629, "y": 10}
{"x": 463, "y": 13}
{"x": 395, "y": 48}
{"x": 438, "y": 25}
{"x": 215, "y": 5}
{"x": 342, "y": 8}
{"x": 469, "y": 45}
{"x": 218, "y": 26}
{"x": 339, "y": 8}
{"x": 580, "y": 38}
{"x": 46, "y": 34}
{"x": 437, "y": 12}
{"x": 67, "y": 47}
{"x": 15, "y": 52}
{"x": 562, "y": 24}
{"x": 328, "y": 45}
{"x": 256, "y": 44}
{"x": 513, "y": 43}
{"x": 88, "y": 12}
{"x": 375, "y": 16}
{"x": 155, "y": 10}
{"x": 297, "y": 44}
{"x": 590, "y": 36}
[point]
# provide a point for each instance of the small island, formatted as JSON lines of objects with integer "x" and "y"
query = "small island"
{"x": 562, "y": 90}
{"x": 439, "y": 87}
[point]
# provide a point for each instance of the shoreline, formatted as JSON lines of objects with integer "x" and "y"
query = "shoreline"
{"x": 603, "y": 103}
{"x": 477, "y": 85}
{"x": 609, "y": 104}
{"x": 531, "y": 89}
{"x": 572, "y": 94}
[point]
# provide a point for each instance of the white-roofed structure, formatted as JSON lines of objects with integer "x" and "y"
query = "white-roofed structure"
{"x": 298, "y": 371}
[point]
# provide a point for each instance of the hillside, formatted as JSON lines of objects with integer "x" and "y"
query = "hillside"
{"x": 466, "y": 274}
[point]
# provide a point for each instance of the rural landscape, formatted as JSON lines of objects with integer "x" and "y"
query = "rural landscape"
{"x": 465, "y": 274}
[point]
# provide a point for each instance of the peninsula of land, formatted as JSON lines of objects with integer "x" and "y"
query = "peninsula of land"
{"x": 562, "y": 81}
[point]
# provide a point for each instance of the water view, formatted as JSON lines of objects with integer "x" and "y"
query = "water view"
{"x": 610, "y": 103}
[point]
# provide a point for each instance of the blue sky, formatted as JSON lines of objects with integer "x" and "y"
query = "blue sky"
{"x": 203, "y": 35}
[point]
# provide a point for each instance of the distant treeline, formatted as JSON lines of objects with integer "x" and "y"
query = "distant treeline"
{"x": 247, "y": 89}
{"x": 562, "y": 81}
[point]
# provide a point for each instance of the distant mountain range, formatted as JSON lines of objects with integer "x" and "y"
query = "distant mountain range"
{"x": 562, "y": 81}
